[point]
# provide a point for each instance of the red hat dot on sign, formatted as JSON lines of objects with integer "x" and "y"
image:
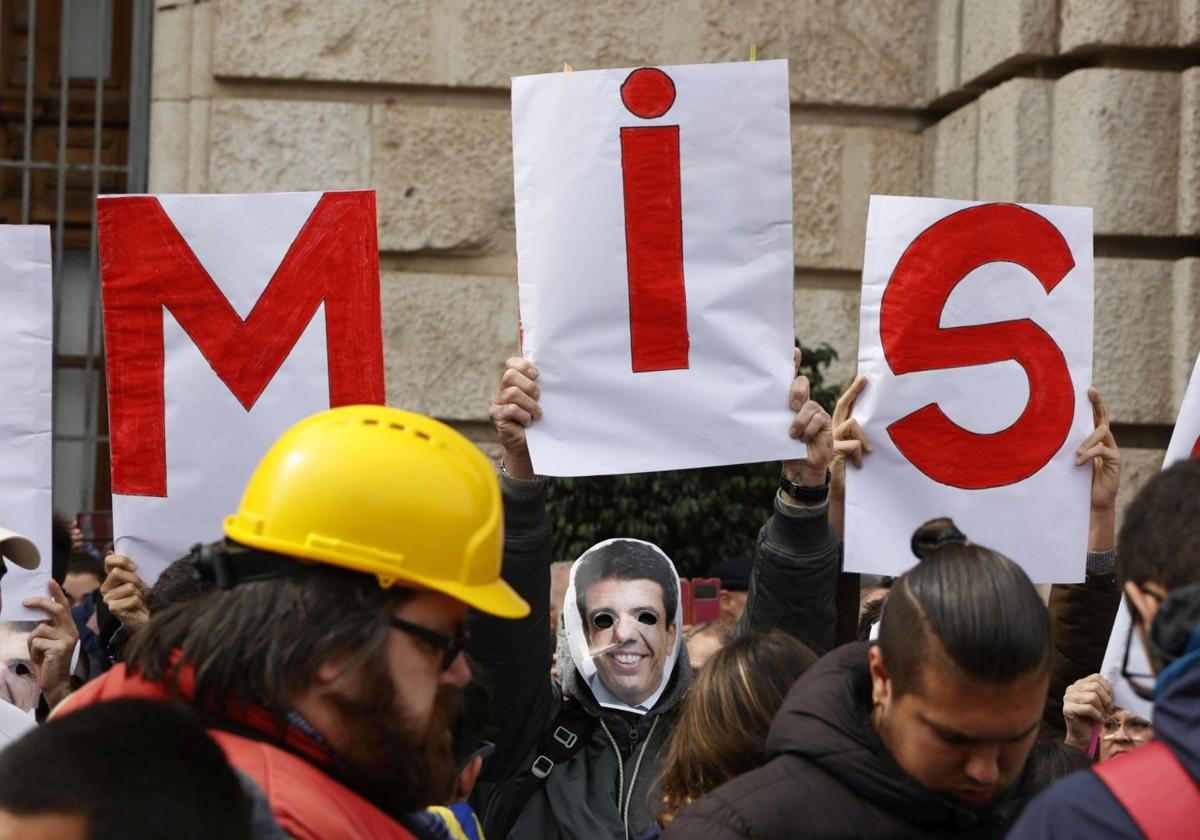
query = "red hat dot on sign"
{"x": 648, "y": 92}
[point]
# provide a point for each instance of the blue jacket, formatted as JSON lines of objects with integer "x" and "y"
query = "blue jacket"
{"x": 1081, "y": 806}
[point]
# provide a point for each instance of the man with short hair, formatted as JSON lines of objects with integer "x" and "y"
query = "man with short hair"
{"x": 84, "y": 575}
{"x": 127, "y": 769}
{"x": 327, "y": 659}
{"x": 921, "y": 735}
{"x": 1154, "y": 791}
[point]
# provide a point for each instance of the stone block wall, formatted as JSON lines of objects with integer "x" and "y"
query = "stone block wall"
{"x": 1093, "y": 102}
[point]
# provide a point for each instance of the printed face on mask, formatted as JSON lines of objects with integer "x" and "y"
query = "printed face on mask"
{"x": 630, "y": 636}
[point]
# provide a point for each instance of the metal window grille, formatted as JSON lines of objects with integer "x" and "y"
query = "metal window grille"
{"x": 74, "y": 113}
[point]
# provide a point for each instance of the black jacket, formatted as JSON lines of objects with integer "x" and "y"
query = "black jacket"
{"x": 793, "y": 588}
{"x": 828, "y": 775}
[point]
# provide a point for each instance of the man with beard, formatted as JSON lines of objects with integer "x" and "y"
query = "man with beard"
{"x": 923, "y": 735}
{"x": 327, "y": 660}
{"x": 579, "y": 760}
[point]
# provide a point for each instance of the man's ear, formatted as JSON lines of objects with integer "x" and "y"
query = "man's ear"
{"x": 881, "y": 681}
{"x": 467, "y": 778}
{"x": 1143, "y": 600}
{"x": 332, "y": 670}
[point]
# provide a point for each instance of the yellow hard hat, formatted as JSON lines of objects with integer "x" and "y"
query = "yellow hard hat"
{"x": 385, "y": 492}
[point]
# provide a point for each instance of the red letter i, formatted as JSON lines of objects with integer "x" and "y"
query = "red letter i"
{"x": 653, "y": 226}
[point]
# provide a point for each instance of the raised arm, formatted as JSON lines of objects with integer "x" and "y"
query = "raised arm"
{"x": 1082, "y": 614}
{"x": 514, "y": 656}
{"x": 797, "y": 558}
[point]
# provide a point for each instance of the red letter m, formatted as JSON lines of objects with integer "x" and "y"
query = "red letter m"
{"x": 146, "y": 265}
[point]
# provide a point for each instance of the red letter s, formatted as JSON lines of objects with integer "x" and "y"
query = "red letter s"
{"x": 913, "y": 341}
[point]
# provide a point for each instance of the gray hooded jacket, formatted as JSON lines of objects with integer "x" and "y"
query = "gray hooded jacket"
{"x": 606, "y": 789}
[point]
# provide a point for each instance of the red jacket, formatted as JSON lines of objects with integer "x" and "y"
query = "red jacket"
{"x": 307, "y": 802}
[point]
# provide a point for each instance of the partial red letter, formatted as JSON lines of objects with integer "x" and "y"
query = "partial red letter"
{"x": 146, "y": 265}
{"x": 913, "y": 341}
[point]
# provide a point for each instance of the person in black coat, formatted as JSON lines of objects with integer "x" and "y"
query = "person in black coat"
{"x": 923, "y": 735}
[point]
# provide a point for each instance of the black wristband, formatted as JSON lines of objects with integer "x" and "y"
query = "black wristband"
{"x": 806, "y": 492}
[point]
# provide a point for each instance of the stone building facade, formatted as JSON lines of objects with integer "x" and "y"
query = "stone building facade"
{"x": 1090, "y": 102}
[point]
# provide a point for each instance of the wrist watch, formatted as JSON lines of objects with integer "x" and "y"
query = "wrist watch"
{"x": 806, "y": 492}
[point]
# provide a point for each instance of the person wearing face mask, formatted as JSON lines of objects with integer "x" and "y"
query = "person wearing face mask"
{"x": 580, "y": 759}
{"x": 1153, "y": 791}
{"x": 625, "y": 622}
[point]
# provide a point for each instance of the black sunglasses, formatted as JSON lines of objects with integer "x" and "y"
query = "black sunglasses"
{"x": 450, "y": 646}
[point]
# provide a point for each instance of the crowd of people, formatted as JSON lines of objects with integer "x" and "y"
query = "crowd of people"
{"x": 383, "y": 645}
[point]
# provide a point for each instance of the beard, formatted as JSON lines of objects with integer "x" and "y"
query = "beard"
{"x": 395, "y": 761}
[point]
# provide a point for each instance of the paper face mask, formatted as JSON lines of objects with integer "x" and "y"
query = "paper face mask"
{"x": 623, "y": 622}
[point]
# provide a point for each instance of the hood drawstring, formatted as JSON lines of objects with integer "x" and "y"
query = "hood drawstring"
{"x": 636, "y": 767}
{"x": 628, "y": 797}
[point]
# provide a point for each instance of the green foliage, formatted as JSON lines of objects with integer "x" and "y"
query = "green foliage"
{"x": 696, "y": 516}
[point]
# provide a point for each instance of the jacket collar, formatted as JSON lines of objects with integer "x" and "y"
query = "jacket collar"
{"x": 826, "y": 719}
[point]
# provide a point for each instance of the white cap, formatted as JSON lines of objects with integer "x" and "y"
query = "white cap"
{"x": 18, "y": 549}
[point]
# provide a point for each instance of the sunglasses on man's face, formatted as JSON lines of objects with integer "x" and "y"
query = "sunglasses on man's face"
{"x": 450, "y": 646}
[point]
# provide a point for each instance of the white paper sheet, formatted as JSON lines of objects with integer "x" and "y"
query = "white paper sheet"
{"x": 25, "y": 383}
{"x": 730, "y": 403}
{"x": 213, "y": 441}
{"x": 1185, "y": 440}
{"x": 1114, "y": 656}
{"x": 1039, "y": 521}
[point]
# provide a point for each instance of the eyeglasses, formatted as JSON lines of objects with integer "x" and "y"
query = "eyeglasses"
{"x": 1135, "y": 727}
{"x": 603, "y": 619}
{"x": 450, "y": 646}
{"x": 1141, "y": 684}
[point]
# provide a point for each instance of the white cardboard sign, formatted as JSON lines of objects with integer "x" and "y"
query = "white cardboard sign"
{"x": 26, "y": 317}
{"x": 976, "y": 340}
{"x": 227, "y": 318}
{"x": 1185, "y": 443}
{"x": 654, "y": 243}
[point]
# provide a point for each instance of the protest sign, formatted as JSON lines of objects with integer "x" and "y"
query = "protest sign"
{"x": 227, "y": 319}
{"x": 654, "y": 245}
{"x": 976, "y": 341}
{"x": 26, "y": 317}
{"x": 1185, "y": 443}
